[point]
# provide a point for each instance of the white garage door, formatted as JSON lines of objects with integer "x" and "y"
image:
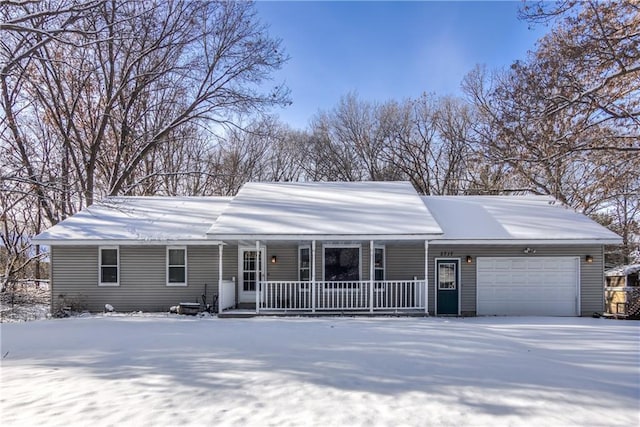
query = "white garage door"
{"x": 541, "y": 286}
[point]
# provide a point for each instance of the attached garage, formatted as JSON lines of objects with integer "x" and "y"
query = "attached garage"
{"x": 528, "y": 286}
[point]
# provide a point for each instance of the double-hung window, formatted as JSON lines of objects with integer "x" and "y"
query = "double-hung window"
{"x": 304, "y": 266}
{"x": 109, "y": 266}
{"x": 378, "y": 268}
{"x": 378, "y": 263}
{"x": 176, "y": 266}
{"x": 304, "y": 263}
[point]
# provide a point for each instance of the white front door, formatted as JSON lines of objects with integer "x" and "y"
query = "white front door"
{"x": 252, "y": 269}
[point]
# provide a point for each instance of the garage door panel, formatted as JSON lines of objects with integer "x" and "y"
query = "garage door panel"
{"x": 500, "y": 265}
{"x": 518, "y": 265}
{"x": 534, "y": 264}
{"x": 527, "y": 286}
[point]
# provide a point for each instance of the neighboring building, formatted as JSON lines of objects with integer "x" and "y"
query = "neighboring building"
{"x": 332, "y": 247}
{"x": 622, "y": 291}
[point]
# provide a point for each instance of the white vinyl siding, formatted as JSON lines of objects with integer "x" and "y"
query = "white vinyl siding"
{"x": 176, "y": 266}
{"x": 108, "y": 266}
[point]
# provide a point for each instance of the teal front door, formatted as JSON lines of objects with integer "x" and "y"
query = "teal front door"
{"x": 447, "y": 286}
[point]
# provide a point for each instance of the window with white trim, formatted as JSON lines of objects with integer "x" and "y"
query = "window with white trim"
{"x": 176, "y": 266}
{"x": 378, "y": 263}
{"x": 109, "y": 259}
{"x": 342, "y": 265}
{"x": 304, "y": 263}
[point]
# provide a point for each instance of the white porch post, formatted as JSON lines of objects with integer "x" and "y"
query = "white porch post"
{"x": 220, "y": 246}
{"x": 426, "y": 277}
{"x": 313, "y": 276}
{"x": 258, "y": 274}
{"x": 372, "y": 258}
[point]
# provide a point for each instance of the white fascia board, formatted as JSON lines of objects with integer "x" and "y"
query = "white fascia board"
{"x": 322, "y": 237}
{"x": 97, "y": 242}
{"x": 529, "y": 242}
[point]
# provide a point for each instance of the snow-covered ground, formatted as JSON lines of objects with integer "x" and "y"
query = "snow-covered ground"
{"x": 170, "y": 370}
{"x": 26, "y": 301}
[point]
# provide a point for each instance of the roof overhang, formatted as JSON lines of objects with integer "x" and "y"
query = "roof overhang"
{"x": 221, "y": 239}
{"x": 505, "y": 242}
{"x": 325, "y": 237}
{"x": 104, "y": 242}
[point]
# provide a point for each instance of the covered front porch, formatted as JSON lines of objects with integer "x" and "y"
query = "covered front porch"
{"x": 388, "y": 296}
{"x": 308, "y": 247}
{"x": 324, "y": 277}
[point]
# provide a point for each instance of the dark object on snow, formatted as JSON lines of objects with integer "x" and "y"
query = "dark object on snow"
{"x": 596, "y": 315}
{"x": 190, "y": 308}
{"x": 210, "y": 308}
{"x": 65, "y": 311}
{"x": 214, "y": 306}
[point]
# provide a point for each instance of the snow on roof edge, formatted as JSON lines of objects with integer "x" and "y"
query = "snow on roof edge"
{"x": 140, "y": 219}
{"x": 623, "y": 270}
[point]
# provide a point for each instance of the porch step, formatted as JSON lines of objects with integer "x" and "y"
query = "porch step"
{"x": 245, "y": 314}
{"x": 237, "y": 314}
{"x": 246, "y": 305}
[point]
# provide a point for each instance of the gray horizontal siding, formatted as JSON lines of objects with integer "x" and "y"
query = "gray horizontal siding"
{"x": 591, "y": 275}
{"x": 404, "y": 261}
{"x": 592, "y": 279}
{"x": 286, "y": 267}
{"x": 74, "y": 275}
{"x": 229, "y": 262}
{"x": 203, "y": 270}
{"x": 366, "y": 260}
{"x": 74, "y": 272}
{"x": 143, "y": 283}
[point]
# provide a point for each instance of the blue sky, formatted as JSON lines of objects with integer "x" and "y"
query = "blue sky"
{"x": 388, "y": 50}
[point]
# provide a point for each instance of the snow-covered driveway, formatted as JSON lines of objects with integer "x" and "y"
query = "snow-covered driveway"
{"x": 169, "y": 370}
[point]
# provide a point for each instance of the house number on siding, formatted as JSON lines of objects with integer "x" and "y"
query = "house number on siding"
{"x": 443, "y": 253}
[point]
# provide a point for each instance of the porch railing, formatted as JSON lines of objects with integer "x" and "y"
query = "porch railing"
{"x": 342, "y": 296}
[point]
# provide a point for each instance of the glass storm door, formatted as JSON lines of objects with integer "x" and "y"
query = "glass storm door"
{"x": 447, "y": 286}
{"x": 251, "y": 271}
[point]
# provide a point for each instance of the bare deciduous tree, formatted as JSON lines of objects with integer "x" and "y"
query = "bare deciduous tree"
{"x": 93, "y": 92}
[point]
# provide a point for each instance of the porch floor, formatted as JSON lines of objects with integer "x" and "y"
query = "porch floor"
{"x": 247, "y": 313}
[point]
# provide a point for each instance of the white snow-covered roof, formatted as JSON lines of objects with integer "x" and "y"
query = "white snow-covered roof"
{"x": 513, "y": 218}
{"x": 623, "y": 270}
{"x": 326, "y": 210}
{"x": 141, "y": 219}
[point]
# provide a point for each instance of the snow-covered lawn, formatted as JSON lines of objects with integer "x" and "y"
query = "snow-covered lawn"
{"x": 171, "y": 370}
